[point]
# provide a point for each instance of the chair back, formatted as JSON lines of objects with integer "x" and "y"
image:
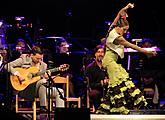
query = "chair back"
{"x": 64, "y": 80}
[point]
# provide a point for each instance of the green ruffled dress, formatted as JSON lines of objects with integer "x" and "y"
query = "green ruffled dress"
{"x": 122, "y": 94}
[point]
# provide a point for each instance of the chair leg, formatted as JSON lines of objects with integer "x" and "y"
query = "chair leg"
{"x": 16, "y": 103}
{"x": 34, "y": 110}
{"x": 67, "y": 104}
{"x": 79, "y": 102}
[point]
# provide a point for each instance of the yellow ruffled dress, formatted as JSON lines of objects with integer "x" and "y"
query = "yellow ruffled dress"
{"x": 122, "y": 94}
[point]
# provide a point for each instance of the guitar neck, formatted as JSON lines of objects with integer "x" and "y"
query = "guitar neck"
{"x": 44, "y": 71}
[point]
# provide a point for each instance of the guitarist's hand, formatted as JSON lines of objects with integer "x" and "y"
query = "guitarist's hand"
{"x": 20, "y": 77}
{"x": 47, "y": 73}
{"x": 64, "y": 67}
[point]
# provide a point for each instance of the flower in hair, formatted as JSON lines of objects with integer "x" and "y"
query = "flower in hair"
{"x": 124, "y": 17}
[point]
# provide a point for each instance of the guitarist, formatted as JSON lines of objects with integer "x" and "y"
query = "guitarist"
{"x": 36, "y": 89}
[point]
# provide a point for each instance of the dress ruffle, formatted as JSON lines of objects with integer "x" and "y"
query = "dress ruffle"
{"x": 122, "y": 94}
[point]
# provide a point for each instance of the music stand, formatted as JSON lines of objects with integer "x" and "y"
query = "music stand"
{"x": 49, "y": 85}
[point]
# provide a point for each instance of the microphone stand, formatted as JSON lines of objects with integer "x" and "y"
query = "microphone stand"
{"x": 87, "y": 86}
{"x": 49, "y": 85}
{"x": 88, "y": 90}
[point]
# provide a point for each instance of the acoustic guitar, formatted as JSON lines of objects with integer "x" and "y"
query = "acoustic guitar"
{"x": 31, "y": 75}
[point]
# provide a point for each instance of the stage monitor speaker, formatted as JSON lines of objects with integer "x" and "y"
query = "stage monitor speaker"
{"x": 72, "y": 114}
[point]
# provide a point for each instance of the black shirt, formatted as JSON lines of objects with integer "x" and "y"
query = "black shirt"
{"x": 95, "y": 74}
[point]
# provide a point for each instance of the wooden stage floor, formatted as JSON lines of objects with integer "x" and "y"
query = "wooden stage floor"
{"x": 134, "y": 115}
{"x": 127, "y": 117}
{"x": 83, "y": 115}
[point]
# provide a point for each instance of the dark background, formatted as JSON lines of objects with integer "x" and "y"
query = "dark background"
{"x": 83, "y": 22}
{"x": 86, "y": 20}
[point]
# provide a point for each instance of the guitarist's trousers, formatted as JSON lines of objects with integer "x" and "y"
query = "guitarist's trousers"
{"x": 42, "y": 93}
{"x": 29, "y": 92}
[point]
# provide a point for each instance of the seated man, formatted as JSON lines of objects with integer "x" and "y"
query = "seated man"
{"x": 62, "y": 57}
{"x": 33, "y": 61}
{"x": 150, "y": 89}
{"x": 97, "y": 77}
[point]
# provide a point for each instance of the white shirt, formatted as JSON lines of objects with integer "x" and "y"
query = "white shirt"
{"x": 119, "y": 49}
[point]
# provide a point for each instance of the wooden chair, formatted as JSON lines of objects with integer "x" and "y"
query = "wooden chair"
{"x": 65, "y": 80}
{"x": 32, "y": 109}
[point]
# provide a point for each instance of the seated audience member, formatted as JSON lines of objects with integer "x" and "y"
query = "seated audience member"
{"x": 20, "y": 48}
{"x": 146, "y": 43}
{"x": 96, "y": 77}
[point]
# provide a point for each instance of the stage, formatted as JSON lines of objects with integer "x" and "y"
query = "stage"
{"x": 82, "y": 114}
{"x": 151, "y": 114}
{"x": 85, "y": 116}
{"x": 127, "y": 117}
{"x": 113, "y": 117}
